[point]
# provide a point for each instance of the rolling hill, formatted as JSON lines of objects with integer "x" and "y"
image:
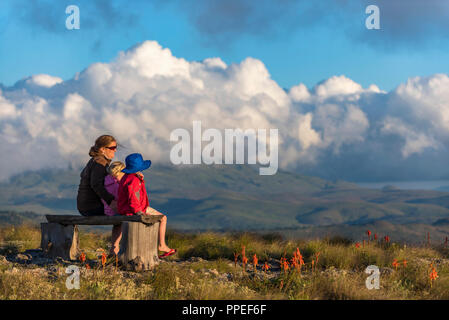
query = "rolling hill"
{"x": 236, "y": 197}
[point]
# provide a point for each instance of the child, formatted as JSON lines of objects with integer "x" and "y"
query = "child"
{"x": 111, "y": 183}
{"x": 133, "y": 198}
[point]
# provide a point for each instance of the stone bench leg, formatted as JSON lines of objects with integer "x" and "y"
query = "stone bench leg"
{"x": 60, "y": 241}
{"x": 138, "y": 246}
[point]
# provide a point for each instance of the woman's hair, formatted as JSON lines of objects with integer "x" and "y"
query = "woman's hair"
{"x": 115, "y": 168}
{"x": 102, "y": 141}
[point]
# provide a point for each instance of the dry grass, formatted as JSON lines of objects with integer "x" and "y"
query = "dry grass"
{"x": 339, "y": 274}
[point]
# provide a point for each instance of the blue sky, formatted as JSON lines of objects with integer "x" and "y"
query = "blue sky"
{"x": 297, "y": 43}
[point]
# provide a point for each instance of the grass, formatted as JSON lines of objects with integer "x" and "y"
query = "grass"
{"x": 19, "y": 238}
{"x": 339, "y": 273}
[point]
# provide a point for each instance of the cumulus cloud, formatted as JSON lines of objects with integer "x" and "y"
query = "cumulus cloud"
{"x": 7, "y": 109}
{"x": 337, "y": 129}
{"x": 415, "y": 142}
{"x": 42, "y": 80}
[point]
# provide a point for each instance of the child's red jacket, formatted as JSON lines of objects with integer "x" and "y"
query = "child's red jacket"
{"x": 132, "y": 196}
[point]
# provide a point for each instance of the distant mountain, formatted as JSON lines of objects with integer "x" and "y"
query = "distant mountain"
{"x": 442, "y": 188}
{"x": 18, "y": 218}
{"x": 224, "y": 197}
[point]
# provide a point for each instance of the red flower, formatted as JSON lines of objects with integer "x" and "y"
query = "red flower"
{"x": 395, "y": 264}
{"x": 433, "y": 275}
{"x": 103, "y": 259}
{"x": 255, "y": 262}
{"x": 82, "y": 257}
{"x": 266, "y": 266}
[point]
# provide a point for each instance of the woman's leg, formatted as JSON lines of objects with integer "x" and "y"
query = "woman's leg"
{"x": 116, "y": 237}
{"x": 162, "y": 228}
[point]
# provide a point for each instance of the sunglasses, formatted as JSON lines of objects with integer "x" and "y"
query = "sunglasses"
{"x": 112, "y": 148}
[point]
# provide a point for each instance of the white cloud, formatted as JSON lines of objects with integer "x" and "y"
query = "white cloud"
{"x": 425, "y": 100}
{"x": 42, "y": 80}
{"x": 146, "y": 93}
{"x": 7, "y": 109}
{"x": 415, "y": 142}
{"x": 299, "y": 93}
{"x": 307, "y": 136}
{"x": 337, "y": 85}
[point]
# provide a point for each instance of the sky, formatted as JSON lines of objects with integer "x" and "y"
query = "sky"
{"x": 297, "y": 41}
{"x": 352, "y": 103}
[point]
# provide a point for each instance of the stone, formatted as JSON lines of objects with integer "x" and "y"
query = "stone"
{"x": 213, "y": 271}
{"x": 3, "y": 260}
{"x": 195, "y": 259}
{"x": 23, "y": 257}
{"x": 386, "y": 271}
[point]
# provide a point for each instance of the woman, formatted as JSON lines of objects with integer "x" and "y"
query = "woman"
{"x": 91, "y": 189}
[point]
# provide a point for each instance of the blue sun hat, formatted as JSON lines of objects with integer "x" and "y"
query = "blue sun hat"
{"x": 135, "y": 163}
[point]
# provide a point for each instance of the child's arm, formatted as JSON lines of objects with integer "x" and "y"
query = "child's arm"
{"x": 134, "y": 199}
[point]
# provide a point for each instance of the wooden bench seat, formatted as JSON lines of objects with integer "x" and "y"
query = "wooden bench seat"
{"x": 138, "y": 246}
{"x": 100, "y": 220}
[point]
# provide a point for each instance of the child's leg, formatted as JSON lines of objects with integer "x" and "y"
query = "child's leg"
{"x": 162, "y": 228}
{"x": 116, "y": 237}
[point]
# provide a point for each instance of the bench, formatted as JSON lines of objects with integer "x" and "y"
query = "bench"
{"x": 138, "y": 246}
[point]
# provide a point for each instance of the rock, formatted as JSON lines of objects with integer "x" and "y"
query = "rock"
{"x": 53, "y": 269}
{"x": 332, "y": 271}
{"x": 34, "y": 252}
{"x": 40, "y": 271}
{"x": 22, "y": 257}
{"x": 225, "y": 277}
{"x": 135, "y": 265}
{"x": 386, "y": 271}
{"x": 195, "y": 259}
{"x": 259, "y": 276}
{"x": 213, "y": 271}
{"x": 42, "y": 261}
{"x": 3, "y": 260}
